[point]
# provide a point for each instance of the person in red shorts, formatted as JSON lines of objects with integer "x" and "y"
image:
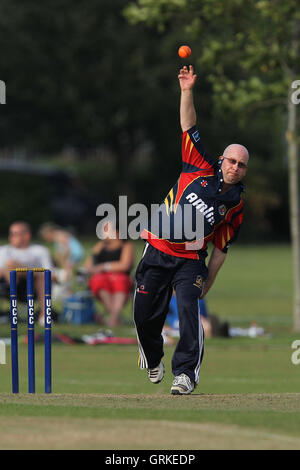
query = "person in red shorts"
{"x": 109, "y": 266}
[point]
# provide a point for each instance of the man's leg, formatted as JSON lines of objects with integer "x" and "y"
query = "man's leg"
{"x": 189, "y": 351}
{"x": 151, "y": 304}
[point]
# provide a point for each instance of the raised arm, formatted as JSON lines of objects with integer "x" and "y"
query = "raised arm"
{"x": 187, "y": 80}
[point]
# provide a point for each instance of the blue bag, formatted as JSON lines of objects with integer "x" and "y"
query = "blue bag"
{"x": 79, "y": 308}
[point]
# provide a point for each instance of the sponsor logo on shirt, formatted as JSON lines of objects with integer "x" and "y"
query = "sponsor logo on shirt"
{"x": 222, "y": 209}
{"x": 200, "y": 205}
{"x": 196, "y": 136}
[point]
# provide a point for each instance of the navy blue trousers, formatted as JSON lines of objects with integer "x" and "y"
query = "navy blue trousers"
{"x": 157, "y": 275}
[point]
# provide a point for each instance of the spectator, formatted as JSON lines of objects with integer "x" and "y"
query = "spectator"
{"x": 68, "y": 251}
{"x": 109, "y": 266}
{"x": 21, "y": 253}
{"x": 212, "y": 326}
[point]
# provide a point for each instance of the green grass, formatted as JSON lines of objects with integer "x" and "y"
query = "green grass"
{"x": 249, "y": 384}
{"x": 255, "y": 283}
{"x": 248, "y": 395}
{"x": 231, "y": 366}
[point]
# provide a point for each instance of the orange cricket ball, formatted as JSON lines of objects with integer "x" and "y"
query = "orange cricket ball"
{"x": 184, "y": 52}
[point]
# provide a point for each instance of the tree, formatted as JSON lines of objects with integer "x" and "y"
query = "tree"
{"x": 249, "y": 51}
{"x": 77, "y": 77}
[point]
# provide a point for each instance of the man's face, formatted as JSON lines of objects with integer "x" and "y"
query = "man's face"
{"x": 234, "y": 166}
{"x": 19, "y": 236}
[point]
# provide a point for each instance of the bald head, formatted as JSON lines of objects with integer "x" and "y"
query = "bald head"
{"x": 235, "y": 160}
{"x": 234, "y": 150}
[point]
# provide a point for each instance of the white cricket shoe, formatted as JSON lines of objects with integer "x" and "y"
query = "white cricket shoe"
{"x": 156, "y": 374}
{"x": 182, "y": 385}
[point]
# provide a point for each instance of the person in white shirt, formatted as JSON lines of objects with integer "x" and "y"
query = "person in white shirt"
{"x": 21, "y": 253}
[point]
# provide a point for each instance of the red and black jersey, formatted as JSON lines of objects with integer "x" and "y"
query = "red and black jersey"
{"x": 196, "y": 192}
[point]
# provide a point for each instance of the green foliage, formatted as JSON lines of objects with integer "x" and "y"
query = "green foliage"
{"x": 243, "y": 50}
{"x": 23, "y": 197}
{"x": 80, "y": 77}
{"x": 154, "y": 13}
{"x": 245, "y": 47}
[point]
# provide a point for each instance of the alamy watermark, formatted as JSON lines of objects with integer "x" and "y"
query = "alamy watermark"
{"x": 2, "y": 92}
{"x": 295, "y": 96}
{"x": 2, "y": 353}
{"x": 181, "y": 223}
{"x": 295, "y": 358}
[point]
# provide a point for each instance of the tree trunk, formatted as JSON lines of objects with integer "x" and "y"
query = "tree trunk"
{"x": 293, "y": 171}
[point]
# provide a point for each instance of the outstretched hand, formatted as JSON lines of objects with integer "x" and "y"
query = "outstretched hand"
{"x": 187, "y": 78}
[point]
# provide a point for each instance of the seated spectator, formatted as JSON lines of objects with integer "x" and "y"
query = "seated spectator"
{"x": 68, "y": 251}
{"x": 21, "y": 253}
{"x": 211, "y": 323}
{"x": 109, "y": 267}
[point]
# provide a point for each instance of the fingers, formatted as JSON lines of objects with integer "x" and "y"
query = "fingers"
{"x": 187, "y": 78}
{"x": 184, "y": 71}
